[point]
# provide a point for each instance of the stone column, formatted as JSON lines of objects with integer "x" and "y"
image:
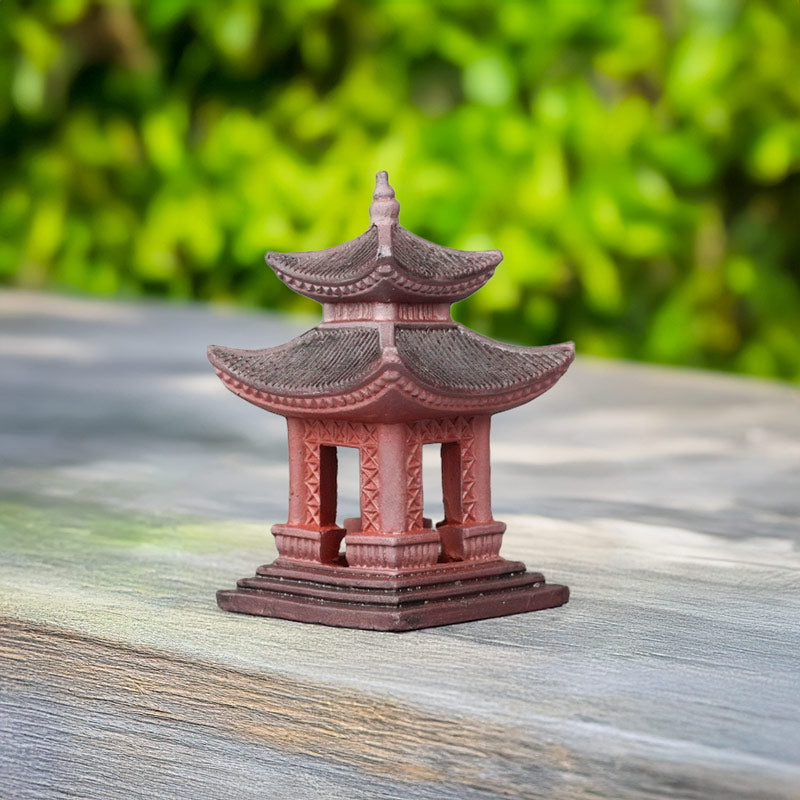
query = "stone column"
{"x": 476, "y": 536}
{"x": 480, "y": 501}
{"x": 392, "y": 487}
{"x": 390, "y": 494}
{"x": 311, "y": 533}
{"x": 297, "y": 489}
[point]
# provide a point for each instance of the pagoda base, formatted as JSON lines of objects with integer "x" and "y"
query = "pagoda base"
{"x": 348, "y": 598}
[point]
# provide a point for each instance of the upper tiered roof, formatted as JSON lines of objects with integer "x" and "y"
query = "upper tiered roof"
{"x": 386, "y": 263}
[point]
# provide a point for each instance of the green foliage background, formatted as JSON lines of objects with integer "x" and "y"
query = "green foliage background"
{"x": 637, "y": 162}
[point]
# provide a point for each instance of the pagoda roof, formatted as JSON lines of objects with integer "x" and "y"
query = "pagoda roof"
{"x": 346, "y": 371}
{"x": 387, "y": 263}
{"x": 320, "y": 361}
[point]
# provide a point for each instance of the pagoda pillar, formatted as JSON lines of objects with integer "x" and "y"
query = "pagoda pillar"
{"x": 311, "y": 533}
{"x": 297, "y": 468}
{"x": 481, "y": 472}
{"x": 391, "y": 487}
{"x": 469, "y": 533}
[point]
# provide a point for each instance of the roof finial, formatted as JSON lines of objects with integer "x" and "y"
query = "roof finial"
{"x": 384, "y": 207}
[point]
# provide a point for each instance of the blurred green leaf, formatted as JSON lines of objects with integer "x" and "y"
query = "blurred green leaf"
{"x": 775, "y": 152}
{"x": 489, "y": 81}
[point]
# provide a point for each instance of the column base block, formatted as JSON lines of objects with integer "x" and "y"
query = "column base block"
{"x": 405, "y": 551}
{"x": 439, "y": 595}
{"x": 476, "y": 542}
{"x": 318, "y": 546}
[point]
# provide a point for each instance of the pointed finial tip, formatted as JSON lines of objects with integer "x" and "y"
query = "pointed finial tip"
{"x": 382, "y": 186}
{"x": 385, "y": 207}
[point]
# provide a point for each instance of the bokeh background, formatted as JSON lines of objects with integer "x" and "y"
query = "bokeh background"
{"x": 637, "y": 162}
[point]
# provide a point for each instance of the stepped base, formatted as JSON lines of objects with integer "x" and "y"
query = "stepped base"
{"x": 348, "y": 598}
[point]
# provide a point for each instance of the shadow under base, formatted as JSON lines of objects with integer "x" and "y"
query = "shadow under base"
{"x": 440, "y": 595}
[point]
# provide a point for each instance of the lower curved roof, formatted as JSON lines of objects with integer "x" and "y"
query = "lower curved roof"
{"x": 321, "y": 361}
{"x": 457, "y": 360}
{"x": 342, "y": 370}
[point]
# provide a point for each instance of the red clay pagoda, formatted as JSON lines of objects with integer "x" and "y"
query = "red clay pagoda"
{"x": 388, "y": 371}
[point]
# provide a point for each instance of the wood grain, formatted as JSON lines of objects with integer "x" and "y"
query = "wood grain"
{"x": 132, "y": 487}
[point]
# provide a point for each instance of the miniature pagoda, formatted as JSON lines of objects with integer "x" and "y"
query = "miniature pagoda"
{"x": 388, "y": 371}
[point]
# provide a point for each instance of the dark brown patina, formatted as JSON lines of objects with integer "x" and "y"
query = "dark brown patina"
{"x": 388, "y": 371}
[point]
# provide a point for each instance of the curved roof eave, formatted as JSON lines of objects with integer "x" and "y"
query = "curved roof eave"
{"x": 357, "y": 373}
{"x": 358, "y": 264}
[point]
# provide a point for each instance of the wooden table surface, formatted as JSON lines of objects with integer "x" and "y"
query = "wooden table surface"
{"x": 132, "y": 486}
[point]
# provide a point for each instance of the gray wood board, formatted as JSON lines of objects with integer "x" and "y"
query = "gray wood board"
{"x": 132, "y": 485}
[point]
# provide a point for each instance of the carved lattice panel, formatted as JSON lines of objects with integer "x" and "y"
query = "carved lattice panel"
{"x": 311, "y": 482}
{"x": 468, "y": 485}
{"x": 370, "y": 477}
{"x": 456, "y": 429}
{"x": 414, "y": 509}
{"x": 338, "y": 433}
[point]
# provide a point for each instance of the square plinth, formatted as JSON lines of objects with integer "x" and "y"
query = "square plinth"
{"x": 348, "y": 598}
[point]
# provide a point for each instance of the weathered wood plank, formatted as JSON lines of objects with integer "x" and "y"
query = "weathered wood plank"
{"x": 132, "y": 487}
